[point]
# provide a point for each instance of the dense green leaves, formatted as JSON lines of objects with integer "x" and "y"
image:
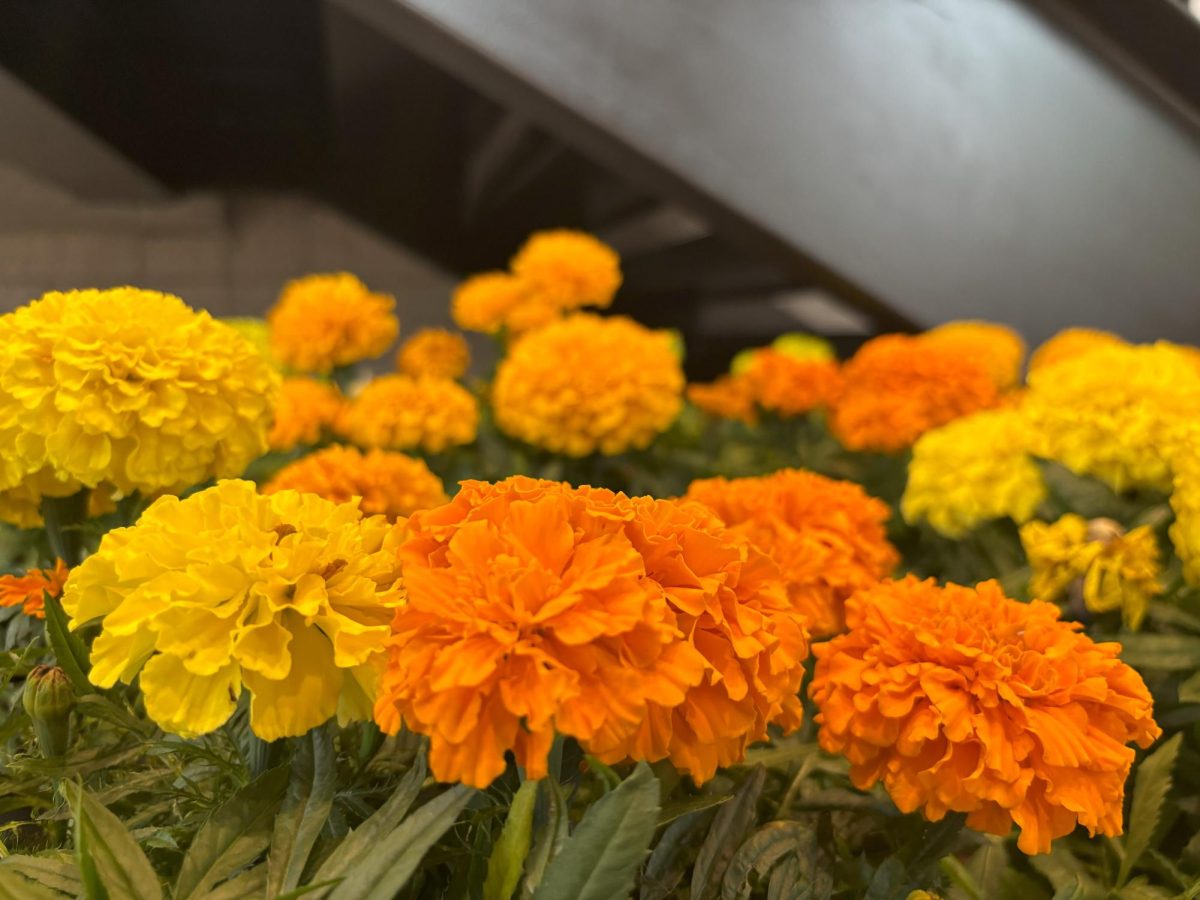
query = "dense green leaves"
{"x": 733, "y": 822}
{"x": 508, "y": 856}
{"x": 306, "y": 808}
{"x": 1150, "y": 789}
{"x": 112, "y": 863}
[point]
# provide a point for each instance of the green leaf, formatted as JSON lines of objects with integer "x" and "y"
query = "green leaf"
{"x": 508, "y": 856}
{"x": 1189, "y": 691}
{"x": 234, "y": 835}
{"x": 601, "y": 859}
{"x": 889, "y": 881}
{"x": 57, "y": 874}
{"x": 1150, "y": 788}
{"x": 69, "y": 650}
{"x": 394, "y": 859}
{"x": 550, "y": 838}
{"x": 305, "y": 809}
{"x": 1163, "y": 652}
{"x": 665, "y": 867}
{"x": 728, "y": 830}
{"x": 758, "y": 854}
{"x": 681, "y": 808}
{"x": 15, "y": 886}
{"x": 1066, "y": 874}
{"x": 107, "y": 853}
{"x": 248, "y": 885}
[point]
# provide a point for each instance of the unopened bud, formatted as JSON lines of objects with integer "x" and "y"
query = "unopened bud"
{"x": 49, "y": 698}
{"x": 1104, "y": 530}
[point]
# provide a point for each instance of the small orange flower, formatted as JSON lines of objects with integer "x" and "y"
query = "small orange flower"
{"x": 729, "y": 397}
{"x": 436, "y": 352}
{"x": 788, "y": 386}
{"x": 307, "y": 408}
{"x": 960, "y": 699}
{"x": 826, "y": 536}
{"x": 567, "y": 270}
{"x": 322, "y": 322}
{"x": 399, "y": 412}
{"x": 997, "y": 347}
{"x": 29, "y": 590}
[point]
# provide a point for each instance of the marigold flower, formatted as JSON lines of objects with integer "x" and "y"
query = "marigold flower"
{"x": 1109, "y": 567}
{"x": 387, "y": 483}
{"x": 1185, "y": 502}
{"x": 827, "y": 536}
{"x": 286, "y": 595}
{"x": 128, "y": 389}
{"x": 973, "y": 470}
{"x": 794, "y": 345}
{"x": 1116, "y": 413}
{"x": 897, "y": 387}
{"x": 492, "y": 301}
{"x": 254, "y": 331}
{"x": 567, "y": 270}
{"x": 399, "y": 412}
{"x": 1070, "y": 343}
{"x": 322, "y": 322}
{"x": 788, "y": 386}
{"x": 997, "y": 347}
{"x": 729, "y": 397}
{"x": 960, "y": 699}
{"x": 29, "y": 590}
{"x": 436, "y": 352}
{"x": 306, "y": 410}
{"x": 587, "y": 384}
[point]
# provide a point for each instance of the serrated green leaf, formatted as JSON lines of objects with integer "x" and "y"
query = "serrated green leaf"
{"x": 15, "y": 886}
{"x": 1066, "y": 874}
{"x": 664, "y": 869}
{"x": 550, "y": 837}
{"x": 1150, "y": 788}
{"x": 508, "y": 856}
{"x": 680, "y": 808}
{"x": 758, "y": 853}
{"x": 69, "y": 651}
{"x": 1161, "y": 652}
{"x": 728, "y": 830}
{"x": 107, "y": 852}
{"x": 248, "y": 885}
{"x": 602, "y": 857}
{"x": 1189, "y": 691}
{"x": 305, "y": 809}
{"x": 57, "y": 874}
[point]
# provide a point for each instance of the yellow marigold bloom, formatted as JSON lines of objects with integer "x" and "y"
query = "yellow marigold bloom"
{"x": 1109, "y": 567}
{"x": 399, "y": 412}
{"x": 975, "y": 469}
{"x": 567, "y": 270}
{"x": 1070, "y": 343}
{"x": 1185, "y": 501}
{"x": 997, "y": 347}
{"x": 436, "y": 352}
{"x": 322, "y": 322}
{"x": 961, "y": 700}
{"x": 306, "y": 410}
{"x": 387, "y": 483}
{"x": 788, "y": 386}
{"x": 288, "y": 596}
{"x": 827, "y": 536}
{"x": 126, "y": 389}
{"x": 29, "y": 590}
{"x": 729, "y": 397}
{"x": 1116, "y": 413}
{"x": 587, "y": 384}
{"x": 897, "y": 387}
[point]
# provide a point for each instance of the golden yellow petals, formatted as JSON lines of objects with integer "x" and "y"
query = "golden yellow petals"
{"x": 324, "y": 322}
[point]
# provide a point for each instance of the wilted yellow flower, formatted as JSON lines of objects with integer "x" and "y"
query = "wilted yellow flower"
{"x": 434, "y": 351}
{"x": 1070, "y": 343}
{"x": 974, "y": 469}
{"x": 307, "y": 408}
{"x": 1000, "y": 349}
{"x": 587, "y": 384}
{"x": 321, "y": 322}
{"x": 1111, "y": 568}
{"x": 567, "y": 270}
{"x": 288, "y": 595}
{"x": 128, "y": 390}
{"x": 399, "y": 412}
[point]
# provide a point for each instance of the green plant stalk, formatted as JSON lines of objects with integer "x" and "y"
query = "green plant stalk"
{"x": 64, "y": 517}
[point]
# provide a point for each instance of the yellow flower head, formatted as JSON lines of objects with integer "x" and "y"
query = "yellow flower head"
{"x": 434, "y": 351}
{"x": 567, "y": 270}
{"x": 1116, "y": 413}
{"x": 399, "y": 412}
{"x": 288, "y": 596}
{"x": 1070, "y": 343}
{"x": 307, "y": 408}
{"x": 1185, "y": 501}
{"x": 321, "y": 322}
{"x": 1111, "y": 568}
{"x": 587, "y": 384}
{"x": 974, "y": 469}
{"x": 387, "y": 483}
{"x": 128, "y": 389}
{"x": 1000, "y": 349}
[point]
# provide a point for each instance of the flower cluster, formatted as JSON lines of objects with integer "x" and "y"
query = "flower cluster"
{"x": 728, "y": 397}
{"x": 436, "y": 352}
{"x": 306, "y": 411}
{"x": 788, "y": 386}
{"x": 960, "y": 699}
{"x": 400, "y": 412}
{"x": 29, "y": 590}
{"x": 1185, "y": 503}
{"x": 997, "y": 348}
{"x": 1070, "y": 343}
{"x": 323, "y": 322}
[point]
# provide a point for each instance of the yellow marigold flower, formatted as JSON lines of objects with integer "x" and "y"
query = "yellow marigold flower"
{"x": 1116, "y": 413}
{"x": 961, "y": 700}
{"x": 729, "y": 397}
{"x": 126, "y": 389}
{"x": 287, "y": 595}
{"x": 1185, "y": 501}
{"x": 826, "y": 536}
{"x": 997, "y": 347}
{"x": 567, "y": 270}
{"x": 29, "y": 590}
{"x": 399, "y": 412}
{"x": 306, "y": 410}
{"x": 387, "y": 483}
{"x": 1109, "y": 567}
{"x": 1070, "y": 343}
{"x": 975, "y": 469}
{"x": 434, "y": 351}
{"x": 322, "y": 322}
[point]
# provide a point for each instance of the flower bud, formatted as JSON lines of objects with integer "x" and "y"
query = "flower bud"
{"x": 49, "y": 698}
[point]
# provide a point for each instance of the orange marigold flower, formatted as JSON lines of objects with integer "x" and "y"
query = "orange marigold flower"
{"x": 307, "y": 408}
{"x": 388, "y": 483}
{"x": 897, "y": 387}
{"x": 997, "y": 347}
{"x": 961, "y": 699}
{"x": 1072, "y": 342}
{"x": 827, "y": 536}
{"x": 322, "y": 322}
{"x": 29, "y": 590}
{"x": 567, "y": 270}
{"x": 434, "y": 351}
{"x": 399, "y": 412}
{"x": 492, "y": 301}
{"x": 729, "y": 397}
{"x": 788, "y": 386}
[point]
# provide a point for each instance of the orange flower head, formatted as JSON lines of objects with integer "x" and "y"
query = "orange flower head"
{"x": 961, "y": 699}
{"x": 306, "y": 410}
{"x": 567, "y": 270}
{"x": 1069, "y": 343}
{"x": 788, "y": 386}
{"x": 29, "y": 590}
{"x": 436, "y": 352}
{"x": 997, "y": 347}
{"x": 388, "y": 483}
{"x": 322, "y": 322}
{"x": 897, "y": 387}
{"x": 399, "y": 412}
{"x": 729, "y": 397}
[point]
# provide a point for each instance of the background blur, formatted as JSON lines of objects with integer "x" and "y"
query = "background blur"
{"x": 837, "y": 166}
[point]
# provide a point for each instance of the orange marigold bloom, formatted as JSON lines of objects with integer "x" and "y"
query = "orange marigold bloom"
{"x": 307, "y": 408}
{"x": 827, "y": 536}
{"x": 399, "y": 412}
{"x": 566, "y": 270}
{"x": 729, "y": 397}
{"x": 29, "y": 590}
{"x": 997, "y": 347}
{"x": 897, "y": 387}
{"x": 1072, "y": 342}
{"x": 961, "y": 699}
{"x": 321, "y": 322}
{"x": 389, "y": 484}
{"x": 788, "y": 386}
{"x": 492, "y": 301}
{"x": 436, "y": 352}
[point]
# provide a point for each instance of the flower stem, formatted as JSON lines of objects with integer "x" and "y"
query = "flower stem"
{"x": 64, "y": 517}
